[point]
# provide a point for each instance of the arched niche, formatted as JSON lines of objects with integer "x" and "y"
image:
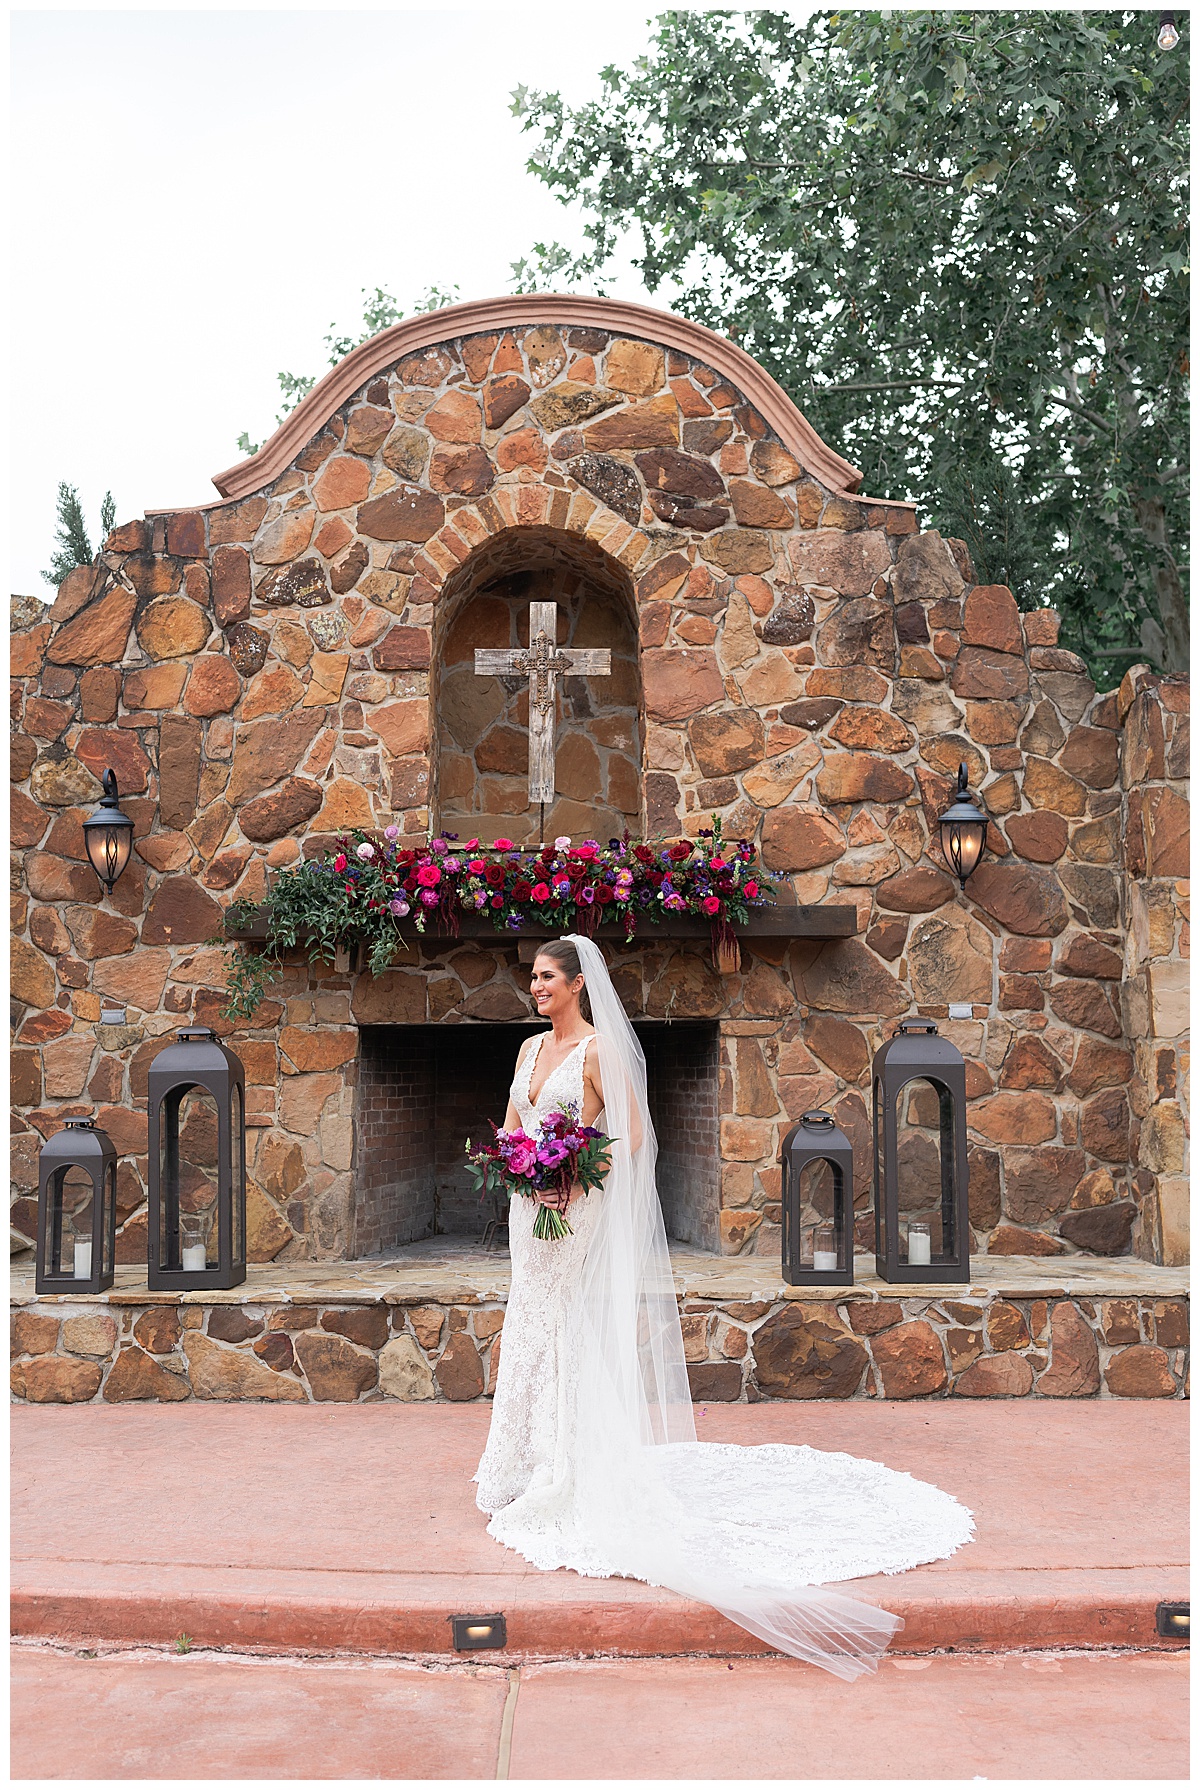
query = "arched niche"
{"x": 482, "y": 739}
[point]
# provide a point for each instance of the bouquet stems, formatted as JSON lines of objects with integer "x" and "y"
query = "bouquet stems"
{"x": 551, "y": 1225}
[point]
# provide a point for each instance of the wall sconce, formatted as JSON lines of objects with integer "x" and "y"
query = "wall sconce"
{"x": 964, "y": 828}
{"x": 108, "y": 836}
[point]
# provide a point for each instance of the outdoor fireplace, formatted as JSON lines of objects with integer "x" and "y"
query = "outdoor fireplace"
{"x": 424, "y": 1089}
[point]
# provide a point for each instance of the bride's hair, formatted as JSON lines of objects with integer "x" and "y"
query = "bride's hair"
{"x": 563, "y": 953}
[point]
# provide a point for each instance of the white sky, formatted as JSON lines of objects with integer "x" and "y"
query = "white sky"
{"x": 199, "y": 195}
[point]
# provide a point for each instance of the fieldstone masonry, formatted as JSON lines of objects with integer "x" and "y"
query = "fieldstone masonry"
{"x": 295, "y": 660}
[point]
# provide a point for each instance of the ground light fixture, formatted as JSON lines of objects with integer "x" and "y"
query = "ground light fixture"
{"x": 964, "y": 828}
{"x": 108, "y": 835}
{"x": 473, "y": 1632}
{"x": 1168, "y": 36}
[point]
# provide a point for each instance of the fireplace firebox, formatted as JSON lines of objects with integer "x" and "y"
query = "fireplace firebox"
{"x": 424, "y": 1089}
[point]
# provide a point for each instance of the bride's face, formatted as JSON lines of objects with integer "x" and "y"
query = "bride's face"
{"x": 555, "y": 996}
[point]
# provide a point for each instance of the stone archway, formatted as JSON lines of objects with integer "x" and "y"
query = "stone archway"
{"x": 481, "y": 748}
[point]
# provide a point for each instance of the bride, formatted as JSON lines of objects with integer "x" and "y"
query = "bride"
{"x": 592, "y": 1460}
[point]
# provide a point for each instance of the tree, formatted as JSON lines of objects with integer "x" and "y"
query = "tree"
{"x": 958, "y": 240}
{"x": 74, "y": 547}
{"x": 380, "y": 311}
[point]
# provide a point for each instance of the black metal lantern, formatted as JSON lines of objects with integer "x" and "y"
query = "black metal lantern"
{"x": 922, "y": 1227}
{"x": 77, "y": 1210}
{"x": 108, "y": 835}
{"x": 818, "y": 1203}
{"x": 197, "y": 1114}
{"x": 964, "y": 828}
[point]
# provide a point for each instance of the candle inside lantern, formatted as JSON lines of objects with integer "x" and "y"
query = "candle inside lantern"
{"x": 195, "y": 1256}
{"x": 83, "y": 1258}
{"x": 919, "y": 1244}
{"x": 825, "y": 1259}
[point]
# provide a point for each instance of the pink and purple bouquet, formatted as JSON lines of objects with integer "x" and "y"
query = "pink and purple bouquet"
{"x": 563, "y": 1152}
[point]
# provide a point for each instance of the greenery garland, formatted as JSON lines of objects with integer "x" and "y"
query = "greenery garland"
{"x": 372, "y": 888}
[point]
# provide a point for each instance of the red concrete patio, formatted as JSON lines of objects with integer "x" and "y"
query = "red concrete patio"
{"x": 354, "y": 1528}
{"x": 139, "y": 1715}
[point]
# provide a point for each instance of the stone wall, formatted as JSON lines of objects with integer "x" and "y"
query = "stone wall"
{"x": 738, "y": 1351}
{"x": 1154, "y": 771}
{"x": 263, "y": 673}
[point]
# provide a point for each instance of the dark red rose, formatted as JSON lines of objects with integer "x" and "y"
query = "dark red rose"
{"x": 643, "y": 854}
{"x": 679, "y": 851}
{"x": 521, "y": 889}
{"x": 495, "y": 876}
{"x": 654, "y": 877}
{"x": 603, "y": 892}
{"x": 497, "y": 901}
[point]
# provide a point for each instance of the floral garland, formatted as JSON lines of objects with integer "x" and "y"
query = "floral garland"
{"x": 371, "y": 887}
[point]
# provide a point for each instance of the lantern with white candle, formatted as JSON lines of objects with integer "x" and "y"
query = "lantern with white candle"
{"x": 818, "y": 1203}
{"x": 77, "y": 1210}
{"x": 922, "y": 1228}
{"x": 196, "y": 1108}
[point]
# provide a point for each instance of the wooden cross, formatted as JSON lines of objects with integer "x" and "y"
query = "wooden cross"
{"x": 542, "y": 662}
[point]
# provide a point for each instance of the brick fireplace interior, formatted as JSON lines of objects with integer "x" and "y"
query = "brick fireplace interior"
{"x": 423, "y": 1090}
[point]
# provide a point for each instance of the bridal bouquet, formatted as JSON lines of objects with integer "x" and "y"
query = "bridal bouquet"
{"x": 563, "y": 1152}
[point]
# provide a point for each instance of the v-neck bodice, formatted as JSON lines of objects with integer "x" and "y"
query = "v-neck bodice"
{"x": 562, "y": 1087}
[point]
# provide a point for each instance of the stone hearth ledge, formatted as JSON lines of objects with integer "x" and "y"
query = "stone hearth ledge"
{"x": 460, "y": 1271}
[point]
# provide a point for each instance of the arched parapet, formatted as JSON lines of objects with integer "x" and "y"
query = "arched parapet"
{"x": 415, "y": 336}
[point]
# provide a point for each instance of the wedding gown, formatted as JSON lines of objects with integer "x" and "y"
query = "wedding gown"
{"x": 592, "y": 1461}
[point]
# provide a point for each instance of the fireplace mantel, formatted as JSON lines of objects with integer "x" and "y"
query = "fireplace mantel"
{"x": 820, "y": 922}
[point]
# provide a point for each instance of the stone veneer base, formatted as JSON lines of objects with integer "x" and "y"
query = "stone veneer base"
{"x": 426, "y": 1324}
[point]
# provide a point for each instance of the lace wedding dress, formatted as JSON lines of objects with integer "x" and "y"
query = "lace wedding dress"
{"x": 592, "y": 1461}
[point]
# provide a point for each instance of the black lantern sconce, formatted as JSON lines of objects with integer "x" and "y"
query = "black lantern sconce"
{"x": 920, "y": 1157}
{"x": 77, "y": 1210}
{"x": 108, "y": 835}
{"x": 197, "y": 1113}
{"x": 818, "y": 1203}
{"x": 964, "y": 828}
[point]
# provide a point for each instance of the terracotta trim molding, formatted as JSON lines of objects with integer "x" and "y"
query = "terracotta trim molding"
{"x": 523, "y": 311}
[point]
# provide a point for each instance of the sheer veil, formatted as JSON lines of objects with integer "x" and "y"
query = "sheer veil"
{"x": 710, "y": 1521}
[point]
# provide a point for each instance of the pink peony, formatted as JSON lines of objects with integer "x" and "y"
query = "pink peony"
{"x": 398, "y": 906}
{"x": 562, "y": 842}
{"x": 429, "y": 897}
{"x": 522, "y": 1156}
{"x": 366, "y": 850}
{"x": 429, "y": 876}
{"x": 392, "y": 832}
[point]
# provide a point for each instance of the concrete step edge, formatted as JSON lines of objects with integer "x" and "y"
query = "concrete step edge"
{"x": 990, "y": 1614}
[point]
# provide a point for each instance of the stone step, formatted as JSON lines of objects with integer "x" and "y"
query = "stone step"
{"x": 354, "y": 1528}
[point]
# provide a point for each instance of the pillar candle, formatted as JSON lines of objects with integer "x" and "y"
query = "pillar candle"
{"x": 194, "y": 1257}
{"x": 83, "y": 1258}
